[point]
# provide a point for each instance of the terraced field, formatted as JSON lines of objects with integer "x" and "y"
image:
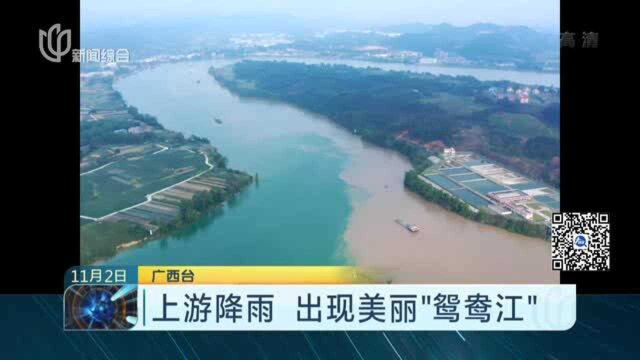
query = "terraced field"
{"x": 127, "y": 182}
{"x": 165, "y": 205}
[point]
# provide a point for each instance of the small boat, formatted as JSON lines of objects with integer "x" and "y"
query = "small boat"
{"x": 410, "y": 227}
{"x": 218, "y": 121}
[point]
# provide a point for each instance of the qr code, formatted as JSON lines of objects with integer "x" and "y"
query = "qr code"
{"x": 580, "y": 242}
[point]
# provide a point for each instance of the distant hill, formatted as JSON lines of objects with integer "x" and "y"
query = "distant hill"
{"x": 490, "y": 45}
{"x": 480, "y": 44}
{"x": 154, "y": 37}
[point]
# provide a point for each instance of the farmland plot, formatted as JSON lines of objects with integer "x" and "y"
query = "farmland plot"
{"x": 127, "y": 182}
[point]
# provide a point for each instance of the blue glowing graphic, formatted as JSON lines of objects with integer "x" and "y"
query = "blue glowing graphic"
{"x": 98, "y": 308}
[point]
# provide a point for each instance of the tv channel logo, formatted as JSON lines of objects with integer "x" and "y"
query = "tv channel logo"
{"x": 54, "y": 43}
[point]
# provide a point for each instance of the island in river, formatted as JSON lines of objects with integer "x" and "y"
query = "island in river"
{"x": 419, "y": 115}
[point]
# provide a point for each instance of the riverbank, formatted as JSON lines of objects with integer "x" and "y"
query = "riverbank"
{"x": 447, "y": 249}
{"x": 544, "y": 78}
{"x": 141, "y": 181}
{"x": 325, "y": 197}
{"x": 384, "y": 120}
{"x": 413, "y": 182}
{"x": 482, "y": 253}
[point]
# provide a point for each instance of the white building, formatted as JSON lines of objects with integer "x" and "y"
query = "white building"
{"x": 509, "y": 196}
{"x": 449, "y": 152}
{"x": 500, "y": 210}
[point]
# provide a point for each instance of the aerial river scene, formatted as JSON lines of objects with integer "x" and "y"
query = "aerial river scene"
{"x": 322, "y": 196}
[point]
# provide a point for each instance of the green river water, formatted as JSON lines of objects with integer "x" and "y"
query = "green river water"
{"x": 298, "y": 211}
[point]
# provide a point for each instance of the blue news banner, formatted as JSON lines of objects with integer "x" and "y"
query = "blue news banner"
{"x": 349, "y": 307}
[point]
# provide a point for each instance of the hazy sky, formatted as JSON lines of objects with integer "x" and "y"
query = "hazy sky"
{"x": 535, "y": 13}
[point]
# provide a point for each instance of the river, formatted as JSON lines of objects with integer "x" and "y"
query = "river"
{"x": 483, "y": 74}
{"x": 323, "y": 196}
